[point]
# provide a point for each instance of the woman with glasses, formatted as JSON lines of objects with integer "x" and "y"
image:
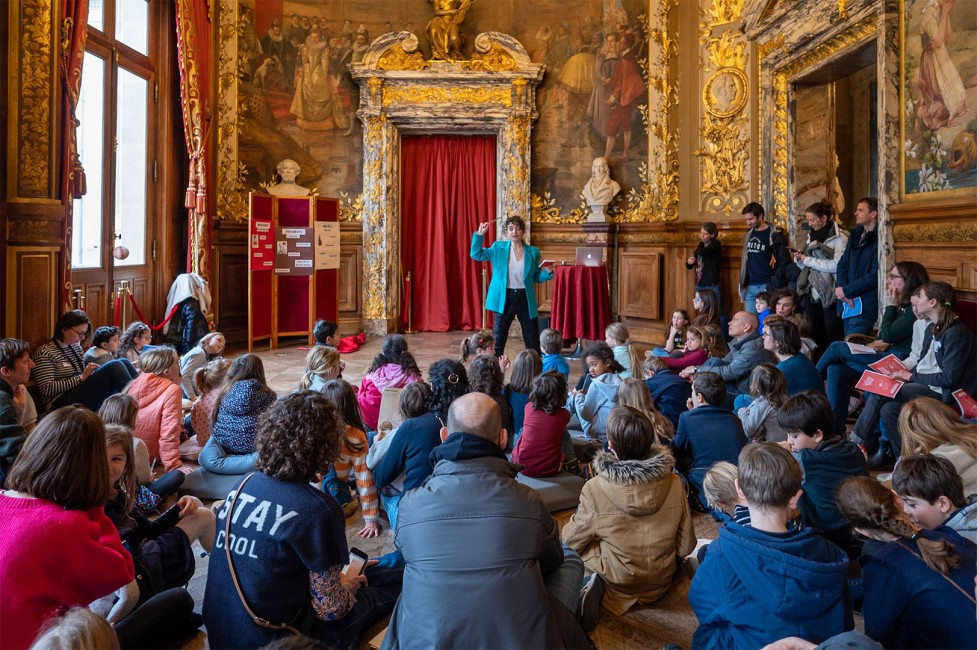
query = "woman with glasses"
{"x": 64, "y": 378}
{"x": 840, "y": 366}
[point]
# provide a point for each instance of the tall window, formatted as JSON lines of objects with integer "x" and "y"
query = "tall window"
{"x": 116, "y": 109}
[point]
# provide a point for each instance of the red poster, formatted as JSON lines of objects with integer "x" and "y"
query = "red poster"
{"x": 889, "y": 364}
{"x": 262, "y": 245}
{"x": 873, "y": 382}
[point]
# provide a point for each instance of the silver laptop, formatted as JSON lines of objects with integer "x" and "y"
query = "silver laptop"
{"x": 589, "y": 256}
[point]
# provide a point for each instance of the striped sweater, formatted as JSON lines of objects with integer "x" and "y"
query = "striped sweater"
{"x": 355, "y": 462}
{"x": 57, "y": 370}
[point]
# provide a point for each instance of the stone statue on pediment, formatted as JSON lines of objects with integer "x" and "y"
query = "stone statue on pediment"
{"x": 600, "y": 190}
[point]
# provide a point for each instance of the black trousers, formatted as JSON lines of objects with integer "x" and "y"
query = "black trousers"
{"x": 516, "y": 306}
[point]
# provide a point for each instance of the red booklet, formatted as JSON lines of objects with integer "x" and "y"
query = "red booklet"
{"x": 888, "y": 364}
{"x": 967, "y": 404}
{"x": 873, "y": 382}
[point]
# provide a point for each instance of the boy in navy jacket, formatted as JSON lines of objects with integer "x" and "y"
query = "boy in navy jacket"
{"x": 761, "y": 583}
{"x": 669, "y": 392}
{"x": 826, "y": 460}
{"x": 707, "y": 434}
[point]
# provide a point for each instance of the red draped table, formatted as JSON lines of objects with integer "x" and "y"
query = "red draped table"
{"x": 581, "y": 302}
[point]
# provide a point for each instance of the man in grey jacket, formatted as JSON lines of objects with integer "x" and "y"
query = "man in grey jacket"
{"x": 745, "y": 353}
{"x": 480, "y": 549}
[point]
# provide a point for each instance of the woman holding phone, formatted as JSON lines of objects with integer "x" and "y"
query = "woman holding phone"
{"x": 516, "y": 268}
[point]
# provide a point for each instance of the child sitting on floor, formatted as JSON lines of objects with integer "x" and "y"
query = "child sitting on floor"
{"x": 932, "y": 494}
{"x": 616, "y": 336}
{"x": 394, "y": 367}
{"x": 669, "y": 392}
{"x": 351, "y": 464}
{"x": 593, "y": 407}
{"x": 632, "y": 527}
{"x": 826, "y": 460}
{"x": 719, "y": 488}
{"x": 544, "y": 444}
{"x": 768, "y": 391}
{"x": 526, "y": 368}
{"x": 706, "y": 434}
{"x": 485, "y": 376}
{"x": 551, "y": 342}
{"x": 764, "y": 582}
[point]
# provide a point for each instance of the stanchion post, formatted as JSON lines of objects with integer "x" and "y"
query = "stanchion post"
{"x": 410, "y": 306}
{"x": 484, "y": 296}
{"x": 124, "y": 304}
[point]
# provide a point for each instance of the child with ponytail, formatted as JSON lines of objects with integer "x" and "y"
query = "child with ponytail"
{"x": 919, "y": 585}
{"x": 619, "y": 339}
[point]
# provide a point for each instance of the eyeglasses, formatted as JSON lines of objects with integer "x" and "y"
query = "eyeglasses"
{"x": 82, "y": 333}
{"x": 896, "y": 276}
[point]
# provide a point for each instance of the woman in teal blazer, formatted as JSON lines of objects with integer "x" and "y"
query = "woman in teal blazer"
{"x": 516, "y": 268}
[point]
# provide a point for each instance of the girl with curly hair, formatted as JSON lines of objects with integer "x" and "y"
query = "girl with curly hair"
{"x": 394, "y": 367}
{"x": 285, "y": 541}
{"x": 919, "y": 584}
{"x": 410, "y": 452}
{"x": 136, "y": 337}
{"x": 352, "y": 459}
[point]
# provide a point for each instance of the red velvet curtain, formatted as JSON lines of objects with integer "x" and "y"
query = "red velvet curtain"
{"x": 448, "y": 189}
{"x": 193, "y": 27}
{"x": 74, "y": 35}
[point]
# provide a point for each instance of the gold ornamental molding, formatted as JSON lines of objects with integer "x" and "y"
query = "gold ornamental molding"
{"x": 397, "y": 58}
{"x": 725, "y": 11}
{"x": 393, "y": 95}
{"x": 766, "y": 48}
{"x": 31, "y": 106}
{"x": 847, "y": 39}
{"x": 724, "y": 135}
{"x": 496, "y": 59}
{"x": 231, "y": 173}
{"x": 656, "y": 199}
{"x": 954, "y": 232}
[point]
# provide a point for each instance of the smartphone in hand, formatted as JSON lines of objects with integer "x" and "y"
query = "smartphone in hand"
{"x": 357, "y": 562}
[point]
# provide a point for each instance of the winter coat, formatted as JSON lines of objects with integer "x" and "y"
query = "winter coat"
{"x": 754, "y": 588}
{"x": 389, "y": 375}
{"x": 159, "y": 422}
{"x": 593, "y": 408}
{"x": 760, "y": 421}
{"x": 955, "y": 357}
{"x": 744, "y": 355}
{"x": 964, "y": 521}
{"x": 820, "y": 265}
{"x": 631, "y": 525}
{"x": 824, "y": 468}
{"x": 858, "y": 272}
{"x": 476, "y": 546}
{"x": 670, "y": 393}
{"x": 236, "y": 427}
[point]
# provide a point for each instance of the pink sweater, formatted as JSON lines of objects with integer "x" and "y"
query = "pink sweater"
{"x": 160, "y": 419}
{"x": 52, "y": 559}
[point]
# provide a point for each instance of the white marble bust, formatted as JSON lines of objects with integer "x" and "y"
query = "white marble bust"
{"x": 288, "y": 170}
{"x": 600, "y": 190}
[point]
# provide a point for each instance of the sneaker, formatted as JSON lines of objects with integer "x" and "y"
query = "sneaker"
{"x": 590, "y": 596}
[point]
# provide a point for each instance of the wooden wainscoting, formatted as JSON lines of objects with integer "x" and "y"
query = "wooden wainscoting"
{"x": 640, "y": 284}
{"x": 350, "y": 278}
{"x": 942, "y": 237}
{"x": 229, "y": 286}
{"x": 32, "y": 292}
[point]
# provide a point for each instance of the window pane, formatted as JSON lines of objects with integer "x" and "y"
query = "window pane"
{"x": 132, "y": 24}
{"x": 96, "y": 14}
{"x": 86, "y": 235}
{"x": 131, "y": 167}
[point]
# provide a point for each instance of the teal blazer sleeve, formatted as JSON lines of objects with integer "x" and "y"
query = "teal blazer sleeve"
{"x": 498, "y": 255}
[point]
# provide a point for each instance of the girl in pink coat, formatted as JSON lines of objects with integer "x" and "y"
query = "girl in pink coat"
{"x": 160, "y": 419}
{"x": 394, "y": 367}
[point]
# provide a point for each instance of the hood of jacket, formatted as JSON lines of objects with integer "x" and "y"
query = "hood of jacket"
{"x": 797, "y": 575}
{"x": 465, "y": 446}
{"x": 391, "y": 374}
{"x": 148, "y": 388}
{"x": 245, "y": 398}
{"x": 628, "y": 480}
{"x": 607, "y": 385}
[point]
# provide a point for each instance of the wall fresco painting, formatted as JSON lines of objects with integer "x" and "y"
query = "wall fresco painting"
{"x": 297, "y": 100}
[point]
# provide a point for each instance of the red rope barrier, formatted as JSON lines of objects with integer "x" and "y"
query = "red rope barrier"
{"x": 132, "y": 301}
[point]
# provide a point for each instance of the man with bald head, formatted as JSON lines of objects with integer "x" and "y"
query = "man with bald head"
{"x": 479, "y": 548}
{"x": 745, "y": 353}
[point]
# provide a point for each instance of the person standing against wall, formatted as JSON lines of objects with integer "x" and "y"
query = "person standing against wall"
{"x": 764, "y": 252}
